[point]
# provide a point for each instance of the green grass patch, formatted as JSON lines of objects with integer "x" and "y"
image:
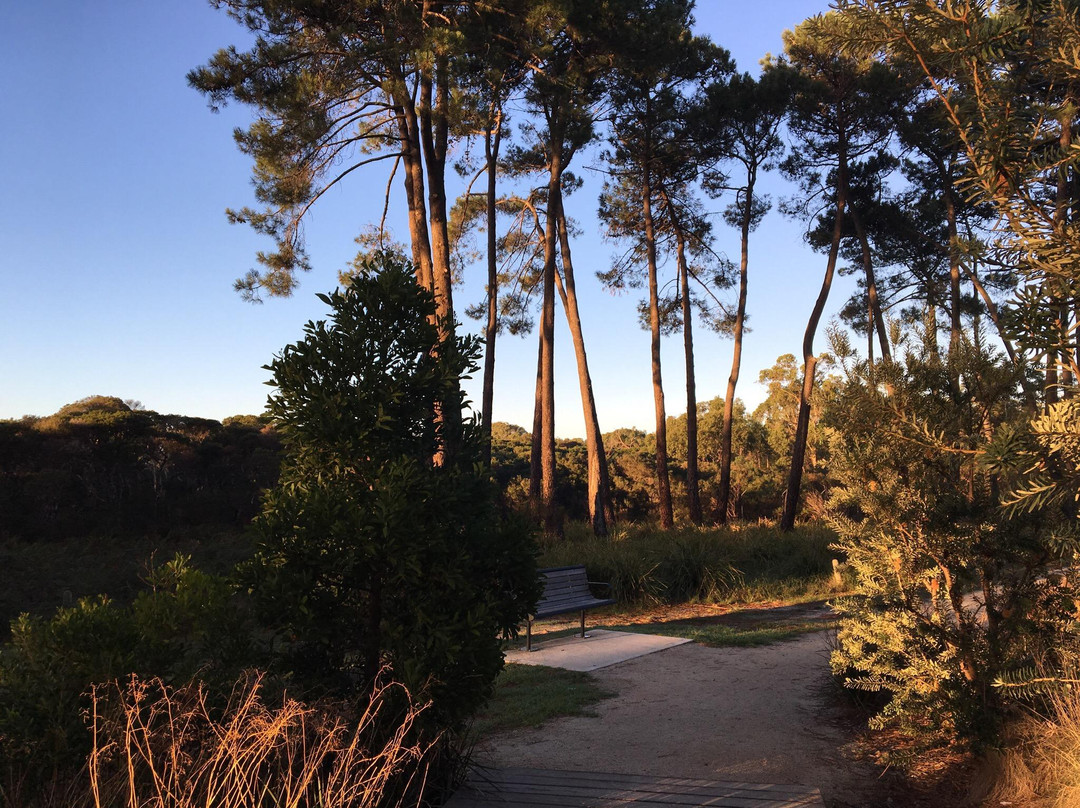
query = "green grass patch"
{"x": 530, "y": 695}
{"x": 720, "y": 636}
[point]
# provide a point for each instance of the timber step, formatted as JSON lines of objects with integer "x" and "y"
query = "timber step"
{"x": 541, "y": 788}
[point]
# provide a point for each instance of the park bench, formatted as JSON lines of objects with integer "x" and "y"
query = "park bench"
{"x": 566, "y": 589}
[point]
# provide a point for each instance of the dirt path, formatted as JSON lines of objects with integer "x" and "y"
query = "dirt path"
{"x": 758, "y": 714}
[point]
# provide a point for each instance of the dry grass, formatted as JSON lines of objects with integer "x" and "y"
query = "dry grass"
{"x": 162, "y": 747}
{"x": 1043, "y": 768}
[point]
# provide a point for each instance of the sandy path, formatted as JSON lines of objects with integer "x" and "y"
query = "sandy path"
{"x": 757, "y": 714}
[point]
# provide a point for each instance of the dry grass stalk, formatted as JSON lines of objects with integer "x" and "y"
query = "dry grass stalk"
{"x": 165, "y": 747}
{"x": 1043, "y": 769}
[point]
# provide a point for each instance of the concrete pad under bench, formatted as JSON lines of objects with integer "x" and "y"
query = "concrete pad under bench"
{"x": 599, "y": 649}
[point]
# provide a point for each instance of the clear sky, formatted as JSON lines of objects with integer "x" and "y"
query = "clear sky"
{"x": 117, "y": 262}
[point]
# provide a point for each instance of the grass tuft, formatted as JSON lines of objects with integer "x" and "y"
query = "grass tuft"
{"x": 1042, "y": 765}
{"x": 528, "y": 696}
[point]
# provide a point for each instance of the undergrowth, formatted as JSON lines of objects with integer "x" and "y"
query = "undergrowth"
{"x": 1040, "y": 766}
{"x": 170, "y": 747}
{"x": 645, "y": 565}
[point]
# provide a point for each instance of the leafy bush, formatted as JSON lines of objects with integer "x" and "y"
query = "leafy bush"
{"x": 373, "y": 552}
{"x": 950, "y": 585}
{"x": 188, "y": 623}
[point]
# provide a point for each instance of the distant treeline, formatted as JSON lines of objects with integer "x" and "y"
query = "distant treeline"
{"x": 98, "y": 466}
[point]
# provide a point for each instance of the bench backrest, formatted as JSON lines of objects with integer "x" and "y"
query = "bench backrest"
{"x": 564, "y": 585}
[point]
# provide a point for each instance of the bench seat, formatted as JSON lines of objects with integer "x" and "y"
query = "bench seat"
{"x": 566, "y": 590}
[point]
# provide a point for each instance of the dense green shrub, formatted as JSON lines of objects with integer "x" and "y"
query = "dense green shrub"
{"x": 187, "y": 623}
{"x": 382, "y": 548}
{"x": 952, "y": 588}
{"x": 372, "y": 552}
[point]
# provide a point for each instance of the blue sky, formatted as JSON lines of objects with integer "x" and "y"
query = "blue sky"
{"x": 117, "y": 262}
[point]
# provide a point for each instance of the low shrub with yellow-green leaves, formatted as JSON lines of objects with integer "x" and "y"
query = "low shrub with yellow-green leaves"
{"x": 953, "y": 590}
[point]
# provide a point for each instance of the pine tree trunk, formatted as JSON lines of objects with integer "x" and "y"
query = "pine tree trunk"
{"x": 802, "y": 426}
{"x": 876, "y": 317}
{"x": 536, "y": 469}
{"x": 601, "y": 512}
{"x": 434, "y": 129}
{"x": 663, "y": 482}
{"x": 1063, "y": 353}
{"x": 955, "y": 325}
{"x": 548, "y": 513}
{"x": 736, "y": 353}
{"x": 995, "y": 318}
{"x": 491, "y": 153}
{"x": 693, "y": 495}
{"x": 412, "y": 159}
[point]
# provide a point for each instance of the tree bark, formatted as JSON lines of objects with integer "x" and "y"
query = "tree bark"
{"x": 802, "y": 426}
{"x": 492, "y": 141}
{"x": 601, "y": 512}
{"x": 549, "y": 517}
{"x": 434, "y": 137}
{"x": 663, "y": 482}
{"x": 736, "y": 353}
{"x": 693, "y": 494}
{"x": 1062, "y": 355}
{"x": 413, "y": 176}
{"x": 877, "y": 318}
{"x": 955, "y": 325}
{"x": 536, "y": 469}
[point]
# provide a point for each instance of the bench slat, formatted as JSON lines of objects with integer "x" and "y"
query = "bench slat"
{"x": 566, "y": 589}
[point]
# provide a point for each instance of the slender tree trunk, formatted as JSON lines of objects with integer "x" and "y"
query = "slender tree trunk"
{"x": 930, "y": 325}
{"x": 536, "y": 468}
{"x": 995, "y": 318}
{"x": 433, "y": 131}
{"x": 877, "y": 319}
{"x": 1074, "y": 209}
{"x": 693, "y": 495}
{"x": 492, "y": 142}
{"x": 434, "y": 134}
{"x": 601, "y": 511}
{"x": 663, "y": 483}
{"x": 1063, "y": 354}
{"x": 736, "y": 353}
{"x": 955, "y": 326}
{"x": 802, "y": 426}
{"x": 413, "y": 176}
{"x": 549, "y": 516}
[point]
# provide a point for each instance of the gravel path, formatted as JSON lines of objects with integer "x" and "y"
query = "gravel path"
{"x": 754, "y": 714}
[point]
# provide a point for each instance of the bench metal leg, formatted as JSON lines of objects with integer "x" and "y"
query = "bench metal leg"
{"x": 583, "y": 624}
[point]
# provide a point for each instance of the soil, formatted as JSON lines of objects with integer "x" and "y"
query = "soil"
{"x": 764, "y": 714}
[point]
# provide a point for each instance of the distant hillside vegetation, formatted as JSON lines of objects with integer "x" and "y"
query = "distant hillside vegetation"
{"x": 98, "y": 466}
